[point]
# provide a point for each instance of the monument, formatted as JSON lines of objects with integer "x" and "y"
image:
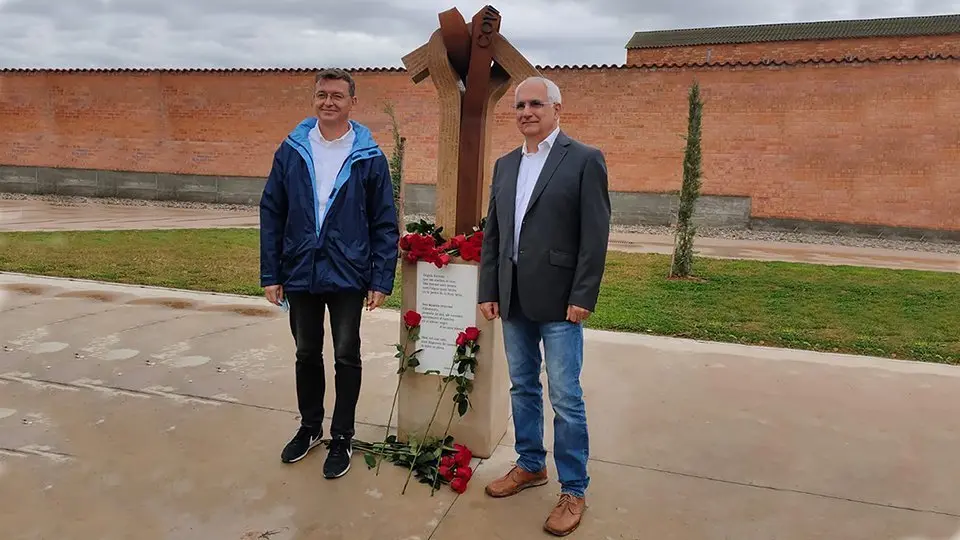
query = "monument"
{"x": 471, "y": 67}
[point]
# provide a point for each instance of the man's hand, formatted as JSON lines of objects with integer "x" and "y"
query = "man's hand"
{"x": 274, "y": 294}
{"x": 577, "y": 314}
{"x": 375, "y": 299}
{"x": 490, "y": 310}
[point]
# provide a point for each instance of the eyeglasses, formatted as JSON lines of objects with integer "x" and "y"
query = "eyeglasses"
{"x": 533, "y": 104}
{"x": 322, "y": 96}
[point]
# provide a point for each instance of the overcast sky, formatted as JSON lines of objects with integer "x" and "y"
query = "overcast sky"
{"x": 366, "y": 33}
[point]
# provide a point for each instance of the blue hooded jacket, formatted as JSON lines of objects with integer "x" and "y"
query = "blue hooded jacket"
{"x": 354, "y": 245}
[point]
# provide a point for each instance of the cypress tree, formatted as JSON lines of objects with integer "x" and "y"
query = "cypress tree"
{"x": 682, "y": 263}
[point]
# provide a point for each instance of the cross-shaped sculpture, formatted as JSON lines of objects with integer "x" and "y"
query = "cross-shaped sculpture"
{"x": 471, "y": 67}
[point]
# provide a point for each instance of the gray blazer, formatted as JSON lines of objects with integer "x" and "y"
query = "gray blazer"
{"x": 563, "y": 242}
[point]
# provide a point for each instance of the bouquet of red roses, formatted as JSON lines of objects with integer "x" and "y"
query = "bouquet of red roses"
{"x": 425, "y": 243}
{"x": 455, "y": 468}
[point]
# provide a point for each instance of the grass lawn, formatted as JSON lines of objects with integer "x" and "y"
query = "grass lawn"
{"x": 893, "y": 313}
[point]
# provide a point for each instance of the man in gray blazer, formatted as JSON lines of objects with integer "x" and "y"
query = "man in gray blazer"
{"x": 543, "y": 256}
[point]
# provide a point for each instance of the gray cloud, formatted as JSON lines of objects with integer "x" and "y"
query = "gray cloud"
{"x": 313, "y": 33}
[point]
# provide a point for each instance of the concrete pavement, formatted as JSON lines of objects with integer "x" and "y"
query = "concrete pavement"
{"x": 132, "y": 412}
{"x": 26, "y": 215}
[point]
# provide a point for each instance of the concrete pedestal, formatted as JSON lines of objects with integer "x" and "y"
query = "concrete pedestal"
{"x": 485, "y": 424}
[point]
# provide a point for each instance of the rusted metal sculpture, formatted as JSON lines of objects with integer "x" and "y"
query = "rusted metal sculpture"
{"x": 471, "y": 67}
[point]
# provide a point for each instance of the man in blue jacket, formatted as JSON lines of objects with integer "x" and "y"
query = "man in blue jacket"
{"x": 328, "y": 242}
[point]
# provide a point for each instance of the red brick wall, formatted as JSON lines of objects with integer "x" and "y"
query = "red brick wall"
{"x": 861, "y": 143}
{"x": 868, "y": 143}
{"x": 862, "y": 48}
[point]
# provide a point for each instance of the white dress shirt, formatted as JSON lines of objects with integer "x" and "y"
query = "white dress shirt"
{"x": 531, "y": 164}
{"x": 328, "y": 158}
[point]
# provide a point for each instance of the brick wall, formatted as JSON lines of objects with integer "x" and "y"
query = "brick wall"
{"x": 864, "y": 143}
{"x": 836, "y": 49}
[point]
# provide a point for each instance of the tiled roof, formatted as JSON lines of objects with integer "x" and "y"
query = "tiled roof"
{"x": 821, "y": 30}
{"x": 202, "y": 70}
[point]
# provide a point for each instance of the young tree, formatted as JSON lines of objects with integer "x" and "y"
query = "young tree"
{"x": 396, "y": 161}
{"x": 682, "y": 264}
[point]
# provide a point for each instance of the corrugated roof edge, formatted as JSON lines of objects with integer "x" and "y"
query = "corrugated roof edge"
{"x": 926, "y": 25}
{"x": 554, "y": 67}
{"x": 275, "y": 69}
{"x": 804, "y": 61}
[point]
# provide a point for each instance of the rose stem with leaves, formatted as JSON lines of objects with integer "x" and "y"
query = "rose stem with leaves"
{"x": 393, "y": 406}
{"x": 461, "y": 381}
{"x": 427, "y": 432}
{"x": 404, "y": 365}
{"x": 436, "y": 480}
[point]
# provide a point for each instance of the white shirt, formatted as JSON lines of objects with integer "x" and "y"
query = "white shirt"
{"x": 531, "y": 164}
{"x": 328, "y": 158}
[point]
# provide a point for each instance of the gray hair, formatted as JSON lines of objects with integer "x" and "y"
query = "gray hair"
{"x": 553, "y": 91}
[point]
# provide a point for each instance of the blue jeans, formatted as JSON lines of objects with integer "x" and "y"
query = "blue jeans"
{"x": 563, "y": 348}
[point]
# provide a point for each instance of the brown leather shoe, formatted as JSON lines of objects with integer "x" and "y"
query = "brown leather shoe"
{"x": 515, "y": 481}
{"x": 565, "y": 517}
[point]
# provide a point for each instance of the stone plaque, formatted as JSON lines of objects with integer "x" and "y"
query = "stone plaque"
{"x": 447, "y": 303}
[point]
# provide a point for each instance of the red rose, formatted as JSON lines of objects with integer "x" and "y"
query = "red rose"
{"x": 411, "y": 319}
{"x": 476, "y": 243}
{"x": 405, "y": 242}
{"x": 449, "y": 244}
{"x": 410, "y": 257}
{"x": 463, "y": 455}
{"x": 458, "y": 240}
{"x": 461, "y": 339}
{"x": 422, "y": 252}
{"x": 469, "y": 252}
{"x": 422, "y": 244}
{"x": 426, "y": 252}
{"x": 445, "y": 472}
{"x": 444, "y": 260}
{"x": 458, "y": 484}
{"x": 472, "y": 333}
{"x": 448, "y": 461}
{"x": 464, "y": 472}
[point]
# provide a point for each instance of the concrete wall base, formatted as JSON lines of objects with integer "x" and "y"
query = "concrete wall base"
{"x": 629, "y": 209}
{"x": 130, "y": 185}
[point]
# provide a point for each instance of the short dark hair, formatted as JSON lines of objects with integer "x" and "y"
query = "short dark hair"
{"x": 335, "y": 74}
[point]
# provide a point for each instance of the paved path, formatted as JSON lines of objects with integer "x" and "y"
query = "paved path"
{"x": 18, "y": 215}
{"x": 32, "y": 215}
{"x": 792, "y": 252}
{"x": 136, "y": 412}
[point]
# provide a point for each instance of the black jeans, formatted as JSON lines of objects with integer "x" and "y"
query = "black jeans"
{"x": 307, "y": 326}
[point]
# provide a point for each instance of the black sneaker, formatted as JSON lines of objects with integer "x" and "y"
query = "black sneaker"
{"x": 338, "y": 457}
{"x": 302, "y": 442}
